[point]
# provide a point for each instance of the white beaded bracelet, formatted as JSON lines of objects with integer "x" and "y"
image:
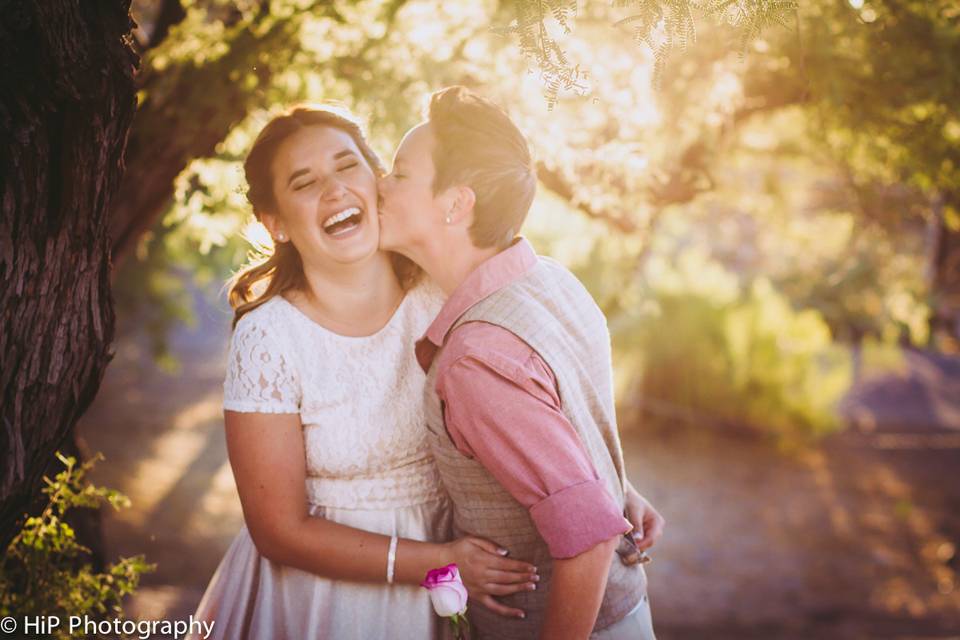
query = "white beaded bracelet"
{"x": 391, "y": 559}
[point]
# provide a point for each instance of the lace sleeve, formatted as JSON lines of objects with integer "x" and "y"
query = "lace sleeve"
{"x": 260, "y": 378}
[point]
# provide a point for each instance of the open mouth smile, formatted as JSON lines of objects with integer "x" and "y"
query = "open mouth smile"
{"x": 343, "y": 222}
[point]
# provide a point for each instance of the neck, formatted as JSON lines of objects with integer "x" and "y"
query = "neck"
{"x": 450, "y": 261}
{"x": 360, "y": 295}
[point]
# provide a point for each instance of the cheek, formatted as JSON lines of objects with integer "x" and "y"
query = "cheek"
{"x": 292, "y": 210}
{"x": 400, "y": 197}
{"x": 386, "y": 188}
{"x": 367, "y": 189}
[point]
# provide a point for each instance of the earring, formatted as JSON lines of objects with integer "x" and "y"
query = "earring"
{"x": 448, "y": 219}
{"x": 282, "y": 237}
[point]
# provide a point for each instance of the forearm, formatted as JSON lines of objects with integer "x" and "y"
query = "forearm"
{"x": 267, "y": 455}
{"x": 340, "y": 552}
{"x": 576, "y": 592}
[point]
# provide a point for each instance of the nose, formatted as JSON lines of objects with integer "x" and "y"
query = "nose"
{"x": 333, "y": 189}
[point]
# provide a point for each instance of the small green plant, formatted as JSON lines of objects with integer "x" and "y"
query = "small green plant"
{"x": 46, "y": 571}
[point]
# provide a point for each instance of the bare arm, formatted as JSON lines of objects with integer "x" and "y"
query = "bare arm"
{"x": 576, "y": 592}
{"x": 268, "y": 459}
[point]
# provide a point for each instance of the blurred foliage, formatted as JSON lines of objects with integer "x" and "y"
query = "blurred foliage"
{"x": 887, "y": 81}
{"x": 747, "y": 359}
{"x": 45, "y": 571}
{"x": 662, "y": 26}
{"x": 767, "y": 206}
{"x": 697, "y": 341}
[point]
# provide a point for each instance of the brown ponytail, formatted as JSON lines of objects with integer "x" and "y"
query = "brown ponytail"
{"x": 271, "y": 273}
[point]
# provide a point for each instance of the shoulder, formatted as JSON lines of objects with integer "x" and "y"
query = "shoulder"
{"x": 547, "y": 279}
{"x": 549, "y": 269}
{"x": 259, "y": 324}
{"x": 261, "y": 373}
{"x": 552, "y": 287}
{"x": 488, "y": 345}
{"x": 546, "y": 262}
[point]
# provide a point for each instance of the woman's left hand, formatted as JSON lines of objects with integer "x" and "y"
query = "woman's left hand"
{"x": 647, "y": 523}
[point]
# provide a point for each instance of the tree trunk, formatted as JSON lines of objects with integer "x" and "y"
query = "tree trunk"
{"x": 66, "y": 106}
{"x": 945, "y": 278}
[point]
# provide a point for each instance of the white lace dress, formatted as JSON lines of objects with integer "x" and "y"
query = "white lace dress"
{"x": 368, "y": 466}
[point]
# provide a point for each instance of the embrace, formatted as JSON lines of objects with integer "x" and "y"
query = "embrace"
{"x": 410, "y": 386}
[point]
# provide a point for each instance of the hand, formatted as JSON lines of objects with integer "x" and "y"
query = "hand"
{"x": 647, "y": 523}
{"x": 486, "y": 573}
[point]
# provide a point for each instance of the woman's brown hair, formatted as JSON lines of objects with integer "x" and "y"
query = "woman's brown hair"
{"x": 282, "y": 270}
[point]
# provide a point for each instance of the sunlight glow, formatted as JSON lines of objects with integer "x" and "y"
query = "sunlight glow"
{"x": 257, "y": 235}
{"x": 170, "y": 457}
{"x": 217, "y": 512}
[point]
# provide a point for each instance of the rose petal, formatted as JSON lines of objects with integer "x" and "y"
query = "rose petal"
{"x": 449, "y": 600}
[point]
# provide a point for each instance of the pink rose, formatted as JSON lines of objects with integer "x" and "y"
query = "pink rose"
{"x": 447, "y": 593}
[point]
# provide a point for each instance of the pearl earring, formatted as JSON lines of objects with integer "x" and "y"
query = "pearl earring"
{"x": 282, "y": 237}
{"x": 448, "y": 219}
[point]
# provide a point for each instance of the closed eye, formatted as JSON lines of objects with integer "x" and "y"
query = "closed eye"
{"x": 348, "y": 166}
{"x": 303, "y": 185}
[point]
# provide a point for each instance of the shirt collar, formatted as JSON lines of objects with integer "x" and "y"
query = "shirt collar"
{"x": 492, "y": 275}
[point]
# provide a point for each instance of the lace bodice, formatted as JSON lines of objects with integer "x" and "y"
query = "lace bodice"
{"x": 360, "y": 399}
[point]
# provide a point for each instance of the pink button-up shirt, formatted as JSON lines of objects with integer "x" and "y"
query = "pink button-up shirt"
{"x": 502, "y": 407}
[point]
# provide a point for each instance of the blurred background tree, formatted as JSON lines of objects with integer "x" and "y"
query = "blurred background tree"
{"x": 770, "y": 184}
{"x": 751, "y": 189}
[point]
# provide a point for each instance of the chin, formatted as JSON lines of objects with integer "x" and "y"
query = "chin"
{"x": 355, "y": 255}
{"x": 356, "y": 250}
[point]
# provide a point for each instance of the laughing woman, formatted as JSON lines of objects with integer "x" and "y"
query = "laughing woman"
{"x": 343, "y": 509}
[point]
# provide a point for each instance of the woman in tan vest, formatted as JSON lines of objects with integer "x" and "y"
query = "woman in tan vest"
{"x": 519, "y": 399}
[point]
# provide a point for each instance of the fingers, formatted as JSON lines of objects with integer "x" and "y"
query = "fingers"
{"x": 488, "y": 546}
{"x": 653, "y": 533}
{"x": 513, "y": 566}
{"x": 511, "y": 577}
{"x": 496, "y": 607}
{"x": 498, "y": 562}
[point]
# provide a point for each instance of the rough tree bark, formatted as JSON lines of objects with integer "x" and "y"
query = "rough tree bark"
{"x": 66, "y": 105}
{"x": 945, "y": 277}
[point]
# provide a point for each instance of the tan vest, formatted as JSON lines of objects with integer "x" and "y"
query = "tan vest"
{"x": 550, "y": 310}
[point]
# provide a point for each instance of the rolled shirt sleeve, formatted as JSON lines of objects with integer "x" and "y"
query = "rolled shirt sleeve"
{"x": 501, "y": 407}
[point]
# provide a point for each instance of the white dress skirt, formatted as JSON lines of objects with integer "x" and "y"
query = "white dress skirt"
{"x": 368, "y": 466}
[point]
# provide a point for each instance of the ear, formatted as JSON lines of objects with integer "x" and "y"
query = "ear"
{"x": 461, "y": 204}
{"x": 274, "y": 227}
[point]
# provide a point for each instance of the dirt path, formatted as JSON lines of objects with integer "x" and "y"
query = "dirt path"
{"x": 857, "y": 539}
{"x": 845, "y": 542}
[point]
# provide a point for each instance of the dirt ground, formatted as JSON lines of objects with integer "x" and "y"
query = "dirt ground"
{"x": 855, "y": 539}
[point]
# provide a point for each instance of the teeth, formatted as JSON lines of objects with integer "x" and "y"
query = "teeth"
{"x": 340, "y": 217}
